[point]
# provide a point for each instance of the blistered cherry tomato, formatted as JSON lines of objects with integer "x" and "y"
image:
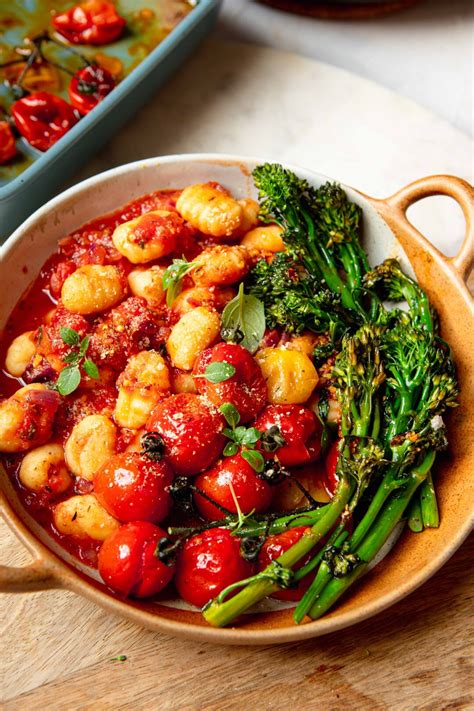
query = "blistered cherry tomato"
{"x": 246, "y": 389}
{"x": 252, "y": 493}
{"x": 43, "y": 118}
{"x": 7, "y": 143}
{"x": 299, "y": 427}
{"x": 190, "y": 430}
{"x": 132, "y": 487}
{"x": 89, "y": 86}
{"x": 128, "y": 563}
{"x": 273, "y": 548}
{"x": 331, "y": 478}
{"x": 93, "y": 22}
{"x": 208, "y": 563}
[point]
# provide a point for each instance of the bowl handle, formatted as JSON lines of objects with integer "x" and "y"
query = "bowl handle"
{"x": 29, "y": 578}
{"x": 456, "y": 188}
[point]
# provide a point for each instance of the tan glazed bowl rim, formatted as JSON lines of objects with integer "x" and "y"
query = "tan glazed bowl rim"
{"x": 387, "y": 228}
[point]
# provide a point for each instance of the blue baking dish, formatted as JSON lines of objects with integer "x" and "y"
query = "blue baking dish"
{"x": 20, "y": 196}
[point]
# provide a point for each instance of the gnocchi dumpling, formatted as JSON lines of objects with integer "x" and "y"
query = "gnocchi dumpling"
{"x": 26, "y": 418}
{"x": 141, "y": 385}
{"x": 211, "y": 297}
{"x": 221, "y": 266}
{"x": 93, "y": 288}
{"x": 83, "y": 516}
{"x": 150, "y": 236}
{"x": 44, "y": 470}
{"x": 90, "y": 444}
{"x": 250, "y": 210}
{"x": 195, "y": 331}
{"x": 20, "y": 353}
{"x": 290, "y": 375}
{"x": 211, "y": 209}
{"x": 265, "y": 239}
{"x": 148, "y": 283}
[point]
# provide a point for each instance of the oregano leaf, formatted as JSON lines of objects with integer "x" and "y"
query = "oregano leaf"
{"x": 69, "y": 336}
{"x": 254, "y": 458}
{"x": 68, "y": 380}
{"x": 245, "y": 314}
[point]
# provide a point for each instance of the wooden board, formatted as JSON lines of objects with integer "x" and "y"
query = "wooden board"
{"x": 56, "y": 649}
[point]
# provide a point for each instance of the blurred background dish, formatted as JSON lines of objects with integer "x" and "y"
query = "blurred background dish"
{"x": 341, "y": 9}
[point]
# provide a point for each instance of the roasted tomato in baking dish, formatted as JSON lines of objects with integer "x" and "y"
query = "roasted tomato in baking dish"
{"x": 89, "y": 86}
{"x": 43, "y": 118}
{"x": 93, "y": 22}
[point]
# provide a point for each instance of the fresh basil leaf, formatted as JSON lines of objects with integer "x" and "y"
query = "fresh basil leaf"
{"x": 230, "y": 449}
{"x": 245, "y": 314}
{"x": 69, "y": 379}
{"x": 230, "y": 413}
{"x": 251, "y": 437}
{"x": 84, "y": 346}
{"x": 173, "y": 277}
{"x": 69, "y": 336}
{"x": 91, "y": 369}
{"x": 254, "y": 458}
{"x": 72, "y": 358}
{"x": 218, "y": 372}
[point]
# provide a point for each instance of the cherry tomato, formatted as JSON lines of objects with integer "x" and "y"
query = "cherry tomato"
{"x": 7, "y": 143}
{"x": 59, "y": 276}
{"x": 134, "y": 488}
{"x": 331, "y": 479}
{"x": 89, "y": 86}
{"x": 93, "y": 22}
{"x": 190, "y": 430}
{"x": 273, "y": 548}
{"x": 43, "y": 118}
{"x": 208, "y": 563}
{"x": 251, "y": 492}
{"x": 246, "y": 389}
{"x": 301, "y": 430}
{"x": 128, "y": 564}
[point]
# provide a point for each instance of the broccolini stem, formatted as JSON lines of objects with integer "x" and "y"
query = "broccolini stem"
{"x": 389, "y": 517}
{"x": 221, "y": 614}
{"x": 415, "y": 522}
{"x": 428, "y": 503}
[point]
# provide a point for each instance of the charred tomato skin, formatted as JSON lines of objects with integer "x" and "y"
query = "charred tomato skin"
{"x": 191, "y": 432}
{"x": 332, "y": 458}
{"x": 89, "y": 86}
{"x": 43, "y": 118}
{"x": 273, "y": 548}
{"x": 301, "y": 430}
{"x": 246, "y": 389}
{"x": 208, "y": 563}
{"x": 128, "y": 563}
{"x": 252, "y": 493}
{"x": 133, "y": 488}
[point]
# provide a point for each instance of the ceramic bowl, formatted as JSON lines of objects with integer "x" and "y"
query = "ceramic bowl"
{"x": 387, "y": 232}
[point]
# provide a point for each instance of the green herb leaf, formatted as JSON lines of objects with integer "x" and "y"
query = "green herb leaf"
{"x": 173, "y": 277}
{"x": 120, "y": 658}
{"x": 84, "y": 346}
{"x": 91, "y": 369}
{"x": 239, "y": 434}
{"x": 69, "y": 336}
{"x": 72, "y": 358}
{"x": 218, "y": 372}
{"x": 231, "y": 414}
{"x": 230, "y": 449}
{"x": 69, "y": 379}
{"x": 254, "y": 458}
{"x": 244, "y": 314}
{"x": 251, "y": 437}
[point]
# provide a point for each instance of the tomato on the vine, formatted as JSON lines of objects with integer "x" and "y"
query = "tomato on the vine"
{"x": 246, "y": 389}
{"x": 132, "y": 487}
{"x": 208, "y": 563}
{"x": 89, "y": 86}
{"x": 7, "y": 143}
{"x": 93, "y": 22}
{"x": 273, "y": 548}
{"x": 43, "y": 118}
{"x": 251, "y": 492}
{"x": 128, "y": 561}
{"x": 300, "y": 429}
{"x": 191, "y": 432}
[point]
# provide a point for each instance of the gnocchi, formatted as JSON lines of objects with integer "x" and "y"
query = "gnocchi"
{"x": 26, "y": 418}
{"x": 150, "y": 236}
{"x": 250, "y": 210}
{"x": 194, "y": 332}
{"x": 92, "y": 289}
{"x": 141, "y": 385}
{"x": 20, "y": 353}
{"x": 44, "y": 470}
{"x": 290, "y": 375}
{"x": 211, "y": 209}
{"x": 83, "y": 516}
{"x": 266, "y": 239}
{"x": 221, "y": 266}
{"x": 90, "y": 444}
{"x": 211, "y": 297}
{"x": 147, "y": 283}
